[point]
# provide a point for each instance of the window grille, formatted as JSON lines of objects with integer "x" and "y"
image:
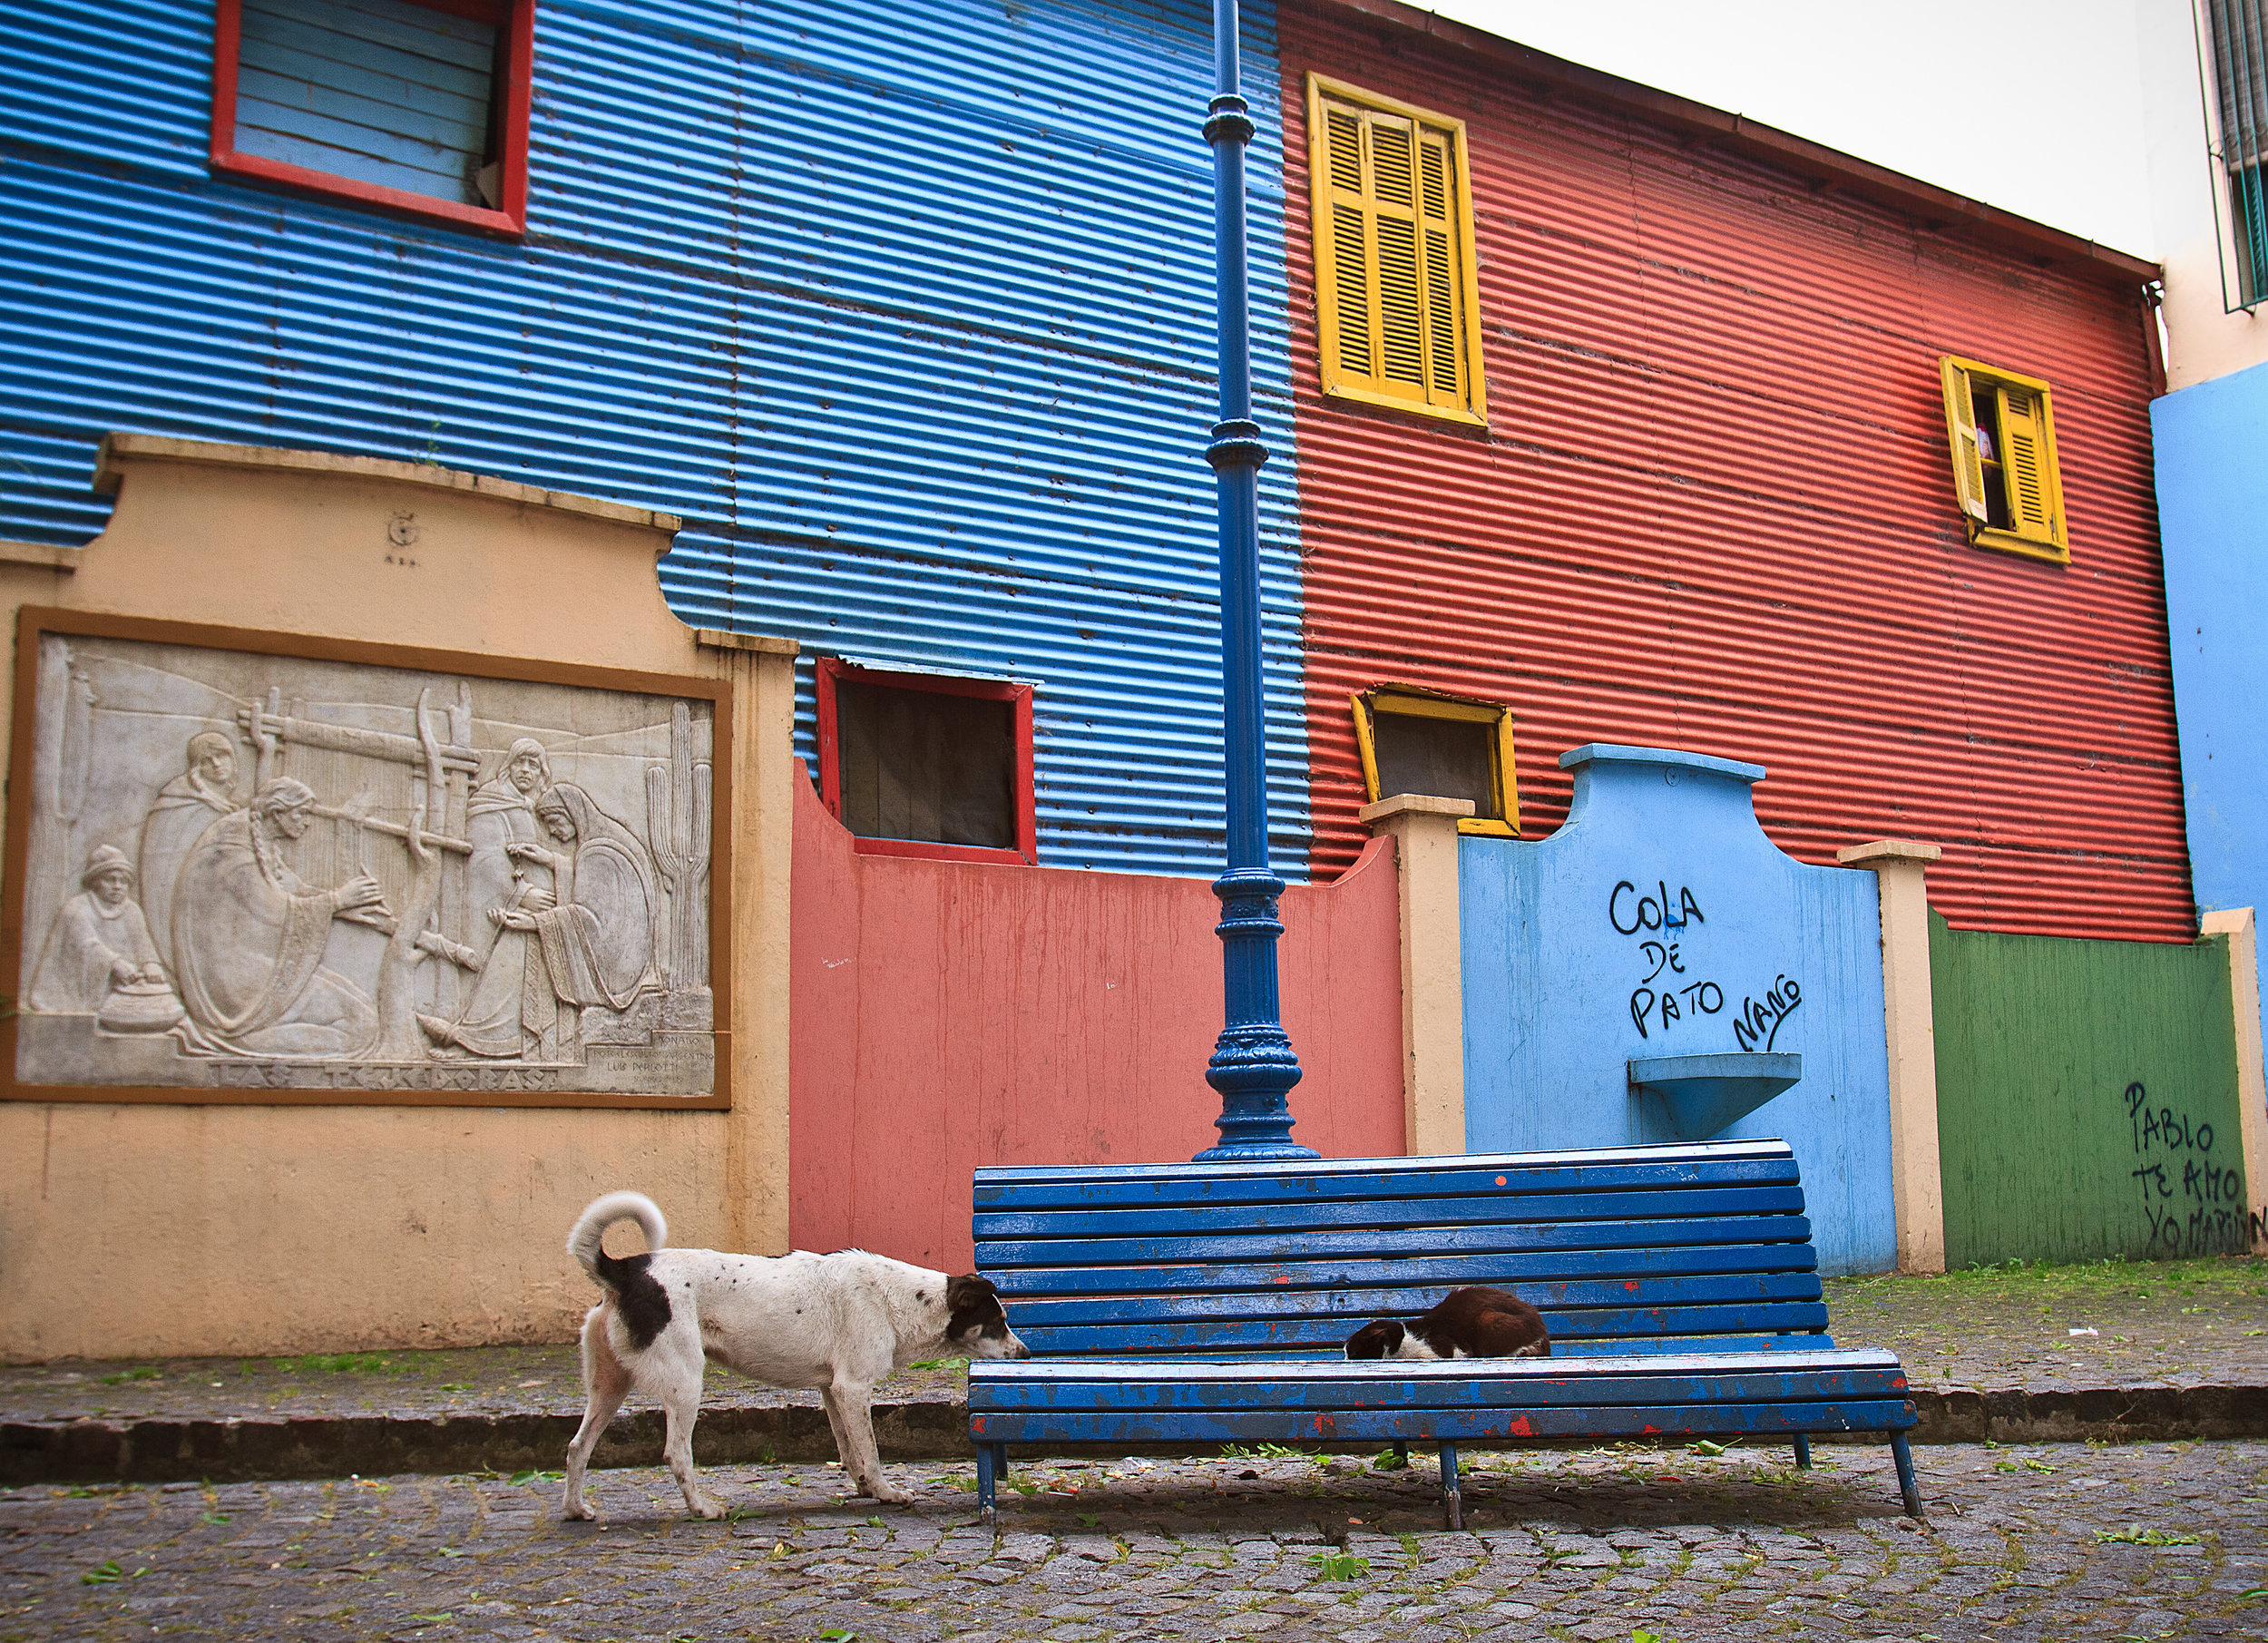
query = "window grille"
{"x": 2236, "y": 117}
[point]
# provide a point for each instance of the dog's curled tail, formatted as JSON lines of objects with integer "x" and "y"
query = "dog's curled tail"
{"x": 582, "y": 1243}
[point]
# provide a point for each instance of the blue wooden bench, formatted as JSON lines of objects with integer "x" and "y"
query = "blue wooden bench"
{"x": 1201, "y": 1303}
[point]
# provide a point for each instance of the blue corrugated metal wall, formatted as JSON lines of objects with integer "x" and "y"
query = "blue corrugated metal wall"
{"x": 910, "y": 306}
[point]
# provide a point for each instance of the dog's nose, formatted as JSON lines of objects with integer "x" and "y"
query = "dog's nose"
{"x": 1021, "y": 1351}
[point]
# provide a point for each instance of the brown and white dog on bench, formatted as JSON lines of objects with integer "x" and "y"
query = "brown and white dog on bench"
{"x": 1469, "y": 1323}
{"x": 835, "y": 1324}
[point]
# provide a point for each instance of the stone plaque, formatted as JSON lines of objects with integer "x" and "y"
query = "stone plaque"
{"x": 243, "y": 866}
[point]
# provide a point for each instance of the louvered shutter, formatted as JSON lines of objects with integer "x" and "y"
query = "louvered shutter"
{"x": 1437, "y": 226}
{"x": 1346, "y": 263}
{"x": 2031, "y": 487}
{"x": 1391, "y": 263}
{"x": 1960, "y": 423}
{"x": 1401, "y": 279}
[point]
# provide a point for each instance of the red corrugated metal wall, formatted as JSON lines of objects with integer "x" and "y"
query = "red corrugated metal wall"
{"x": 1715, "y": 511}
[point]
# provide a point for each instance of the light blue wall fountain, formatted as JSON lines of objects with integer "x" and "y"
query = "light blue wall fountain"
{"x": 1660, "y": 920}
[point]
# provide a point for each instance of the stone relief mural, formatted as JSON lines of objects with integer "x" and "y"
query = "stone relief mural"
{"x": 255, "y": 870}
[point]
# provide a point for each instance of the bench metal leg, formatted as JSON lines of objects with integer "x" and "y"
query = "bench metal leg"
{"x": 1401, "y": 1456}
{"x": 1902, "y": 1453}
{"x": 992, "y": 1465}
{"x": 1803, "y": 1450}
{"x": 1452, "y": 1495}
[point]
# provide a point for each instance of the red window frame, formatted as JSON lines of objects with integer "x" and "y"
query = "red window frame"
{"x": 516, "y": 18}
{"x": 832, "y": 670}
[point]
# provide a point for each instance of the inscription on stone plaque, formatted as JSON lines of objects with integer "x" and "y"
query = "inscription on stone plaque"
{"x": 255, "y": 872}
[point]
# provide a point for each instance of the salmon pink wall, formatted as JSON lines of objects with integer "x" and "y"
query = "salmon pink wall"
{"x": 948, "y": 1014}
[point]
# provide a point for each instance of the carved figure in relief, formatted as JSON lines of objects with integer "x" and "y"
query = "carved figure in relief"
{"x": 184, "y": 807}
{"x": 508, "y": 874}
{"x": 598, "y": 936}
{"x": 582, "y": 938}
{"x": 500, "y": 813}
{"x": 98, "y": 942}
{"x": 248, "y": 938}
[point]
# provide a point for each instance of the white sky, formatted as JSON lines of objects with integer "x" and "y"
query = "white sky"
{"x": 2032, "y": 105}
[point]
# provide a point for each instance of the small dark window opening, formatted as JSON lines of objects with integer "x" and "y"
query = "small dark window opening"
{"x": 383, "y": 92}
{"x": 1985, "y": 405}
{"x": 418, "y": 107}
{"x": 916, "y": 765}
{"x": 1445, "y": 757}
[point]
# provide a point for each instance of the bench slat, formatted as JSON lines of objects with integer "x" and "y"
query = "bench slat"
{"x": 1204, "y": 1335}
{"x": 1670, "y": 1205}
{"x": 1629, "y": 1266}
{"x": 1563, "y": 1305}
{"x": 1454, "y": 1425}
{"x": 1241, "y": 1246}
{"x": 1559, "y": 1302}
{"x": 1293, "y": 1388}
{"x": 1099, "y": 1187}
{"x": 1271, "y": 1351}
{"x": 1646, "y": 1157}
{"x": 1686, "y": 1361}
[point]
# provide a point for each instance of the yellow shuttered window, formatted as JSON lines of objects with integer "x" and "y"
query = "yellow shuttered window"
{"x": 1394, "y": 288}
{"x": 2005, "y": 474}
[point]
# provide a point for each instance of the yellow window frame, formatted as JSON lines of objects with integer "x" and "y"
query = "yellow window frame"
{"x": 2032, "y": 477}
{"x": 1433, "y": 330}
{"x": 1415, "y": 701}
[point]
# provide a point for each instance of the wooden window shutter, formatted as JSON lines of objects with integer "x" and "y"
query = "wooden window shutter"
{"x": 2031, "y": 502}
{"x": 1960, "y": 422}
{"x": 2002, "y": 429}
{"x": 1393, "y": 259}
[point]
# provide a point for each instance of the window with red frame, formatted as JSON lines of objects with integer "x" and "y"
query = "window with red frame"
{"x": 919, "y": 765}
{"x": 418, "y": 107}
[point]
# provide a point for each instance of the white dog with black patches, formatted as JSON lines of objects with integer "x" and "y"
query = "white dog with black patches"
{"x": 838, "y": 1322}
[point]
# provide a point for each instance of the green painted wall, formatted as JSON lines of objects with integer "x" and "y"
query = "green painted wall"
{"x": 2086, "y": 1098}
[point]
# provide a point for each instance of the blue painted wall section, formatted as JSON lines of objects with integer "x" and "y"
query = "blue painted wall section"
{"x": 910, "y": 305}
{"x": 2212, "y": 443}
{"x": 1660, "y": 920}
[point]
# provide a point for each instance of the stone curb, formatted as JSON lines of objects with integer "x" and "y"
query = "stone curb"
{"x": 2114, "y": 1414}
{"x": 158, "y": 1450}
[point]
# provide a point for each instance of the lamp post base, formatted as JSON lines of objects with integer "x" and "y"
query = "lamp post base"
{"x": 1254, "y": 1069}
{"x": 1256, "y": 1152}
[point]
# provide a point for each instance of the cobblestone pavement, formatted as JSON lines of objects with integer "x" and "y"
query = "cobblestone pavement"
{"x": 2056, "y": 1542}
{"x": 2167, "y": 1322}
{"x": 2180, "y": 1323}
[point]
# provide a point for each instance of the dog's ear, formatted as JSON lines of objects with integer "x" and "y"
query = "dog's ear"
{"x": 969, "y": 1293}
{"x": 1379, "y": 1339}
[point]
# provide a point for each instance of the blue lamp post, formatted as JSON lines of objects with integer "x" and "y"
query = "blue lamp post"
{"x": 1253, "y": 1065}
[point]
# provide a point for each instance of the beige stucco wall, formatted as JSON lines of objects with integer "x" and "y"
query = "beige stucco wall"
{"x": 2203, "y": 340}
{"x": 1900, "y": 866}
{"x": 1424, "y": 833}
{"x": 130, "y": 1229}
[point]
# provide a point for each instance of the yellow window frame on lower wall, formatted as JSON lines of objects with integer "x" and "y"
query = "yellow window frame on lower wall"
{"x": 1415, "y": 701}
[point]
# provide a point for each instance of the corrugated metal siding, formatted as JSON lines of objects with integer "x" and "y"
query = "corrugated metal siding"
{"x": 1715, "y": 511}
{"x": 912, "y": 305}
{"x": 2045, "y": 1051}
